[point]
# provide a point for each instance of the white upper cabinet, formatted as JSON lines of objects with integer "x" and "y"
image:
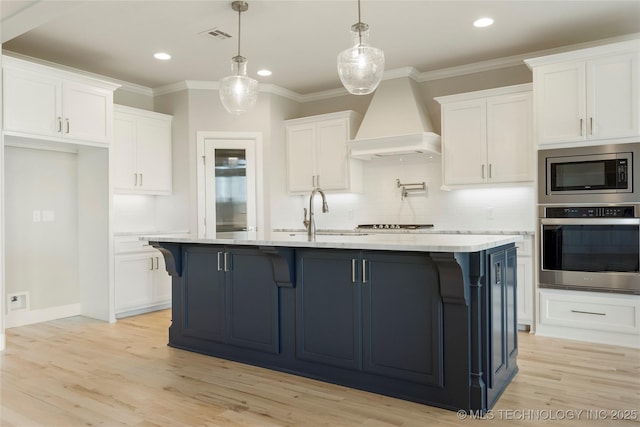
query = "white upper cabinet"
{"x": 589, "y": 94}
{"x": 487, "y": 136}
{"x": 46, "y": 103}
{"x": 141, "y": 152}
{"x": 317, "y": 154}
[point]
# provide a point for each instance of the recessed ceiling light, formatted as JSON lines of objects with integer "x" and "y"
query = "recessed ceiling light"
{"x": 162, "y": 56}
{"x": 264, "y": 72}
{"x": 482, "y": 22}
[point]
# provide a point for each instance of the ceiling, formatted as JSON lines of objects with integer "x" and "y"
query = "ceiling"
{"x": 297, "y": 40}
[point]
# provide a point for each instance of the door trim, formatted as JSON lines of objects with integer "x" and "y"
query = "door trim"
{"x": 201, "y": 136}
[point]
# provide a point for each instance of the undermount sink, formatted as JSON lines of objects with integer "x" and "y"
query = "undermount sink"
{"x": 329, "y": 233}
{"x": 333, "y": 233}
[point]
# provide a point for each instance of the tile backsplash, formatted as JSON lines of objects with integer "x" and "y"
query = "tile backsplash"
{"x": 491, "y": 208}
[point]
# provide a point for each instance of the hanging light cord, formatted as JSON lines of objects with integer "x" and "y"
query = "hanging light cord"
{"x": 239, "y": 28}
{"x": 359, "y": 26}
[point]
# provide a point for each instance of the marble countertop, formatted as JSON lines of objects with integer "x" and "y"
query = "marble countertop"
{"x": 410, "y": 231}
{"x": 418, "y": 242}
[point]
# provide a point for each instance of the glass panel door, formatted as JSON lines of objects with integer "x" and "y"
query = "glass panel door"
{"x": 230, "y": 189}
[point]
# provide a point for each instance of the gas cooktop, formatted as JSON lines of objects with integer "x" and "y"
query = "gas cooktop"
{"x": 393, "y": 226}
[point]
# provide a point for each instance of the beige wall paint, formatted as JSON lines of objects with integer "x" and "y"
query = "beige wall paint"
{"x": 197, "y": 110}
{"x": 133, "y": 99}
{"x": 200, "y": 110}
{"x": 42, "y": 257}
{"x": 331, "y": 105}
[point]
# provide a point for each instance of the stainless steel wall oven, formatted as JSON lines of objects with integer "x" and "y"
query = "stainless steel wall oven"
{"x": 589, "y": 211}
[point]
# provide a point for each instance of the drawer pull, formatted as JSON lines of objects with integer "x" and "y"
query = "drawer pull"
{"x": 353, "y": 270}
{"x": 589, "y": 312}
{"x": 364, "y": 271}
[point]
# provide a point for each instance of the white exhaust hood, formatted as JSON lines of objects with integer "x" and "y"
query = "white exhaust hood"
{"x": 395, "y": 123}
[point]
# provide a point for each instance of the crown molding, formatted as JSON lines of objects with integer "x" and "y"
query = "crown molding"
{"x": 410, "y": 72}
{"x": 516, "y": 60}
{"x": 125, "y": 86}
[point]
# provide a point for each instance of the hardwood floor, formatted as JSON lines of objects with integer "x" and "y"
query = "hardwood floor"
{"x": 78, "y": 371}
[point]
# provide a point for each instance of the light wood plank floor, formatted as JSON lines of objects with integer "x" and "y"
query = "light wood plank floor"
{"x": 78, "y": 371}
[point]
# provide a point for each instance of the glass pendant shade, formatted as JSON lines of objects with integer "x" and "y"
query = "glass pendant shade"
{"x": 238, "y": 92}
{"x": 361, "y": 67}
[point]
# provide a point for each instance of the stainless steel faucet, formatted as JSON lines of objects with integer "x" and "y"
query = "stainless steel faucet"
{"x": 310, "y": 224}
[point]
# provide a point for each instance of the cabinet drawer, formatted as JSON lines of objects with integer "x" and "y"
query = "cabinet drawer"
{"x": 126, "y": 244}
{"x": 620, "y": 314}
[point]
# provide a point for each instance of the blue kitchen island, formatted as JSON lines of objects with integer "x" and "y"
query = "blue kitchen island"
{"x": 429, "y": 318}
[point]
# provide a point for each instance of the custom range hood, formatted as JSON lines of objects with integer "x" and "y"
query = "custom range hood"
{"x": 395, "y": 123}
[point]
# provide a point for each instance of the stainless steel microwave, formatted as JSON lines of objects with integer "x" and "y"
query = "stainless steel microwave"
{"x": 598, "y": 174}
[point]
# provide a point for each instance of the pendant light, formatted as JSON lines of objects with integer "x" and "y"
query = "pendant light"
{"x": 238, "y": 92}
{"x": 360, "y": 67}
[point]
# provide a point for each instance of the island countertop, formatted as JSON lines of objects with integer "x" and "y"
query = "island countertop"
{"x": 390, "y": 242}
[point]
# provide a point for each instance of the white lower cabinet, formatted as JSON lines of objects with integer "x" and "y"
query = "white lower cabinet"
{"x": 142, "y": 283}
{"x": 525, "y": 294}
{"x": 590, "y": 316}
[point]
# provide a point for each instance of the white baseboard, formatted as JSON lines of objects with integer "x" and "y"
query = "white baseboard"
{"x": 28, "y": 317}
{"x": 136, "y": 312}
{"x": 3, "y": 342}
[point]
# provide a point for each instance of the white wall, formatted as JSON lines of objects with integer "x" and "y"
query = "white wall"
{"x": 42, "y": 257}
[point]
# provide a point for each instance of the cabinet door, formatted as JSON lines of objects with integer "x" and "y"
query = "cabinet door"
{"x": 560, "y": 102}
{"x": 464, "y": 136}
{"x": 510, "y": 138}
{"x": 133, "y": 288}
{"x": 402, "y": 317}
{"x": 88, "y": 112}
{"x": 525, "y": 291}
{"x": 32, "y": 103}
{"x": 252, "y": 303}
{"x": 203, "y": 294}
{"x": 161, "y": 281}
{"x": 123, "y": 152}
{"x": 153, "y": 155}
{"x": 613, "y": 95}
{"x": 332, "y": 157}
{"x": 301, "y": 157}
{"x": 503, "y": 340}
{"x": 328, "y": 326}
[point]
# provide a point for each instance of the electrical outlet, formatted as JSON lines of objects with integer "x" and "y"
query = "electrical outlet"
{"x": 37, "y": 216}
{"x": 18, "y": 301}
{"x": 48, "y": 216}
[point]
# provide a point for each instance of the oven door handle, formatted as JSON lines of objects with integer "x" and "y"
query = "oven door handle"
{"x": 590, "y": 221}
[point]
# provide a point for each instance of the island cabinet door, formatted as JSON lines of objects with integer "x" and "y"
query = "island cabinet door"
{"x": 252, "y": 300}
{"x": 328, "y": 328}
{"x": 402, "y": 317}
{"x": 502, "y": 323}
{"x": 203, "y": 294}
